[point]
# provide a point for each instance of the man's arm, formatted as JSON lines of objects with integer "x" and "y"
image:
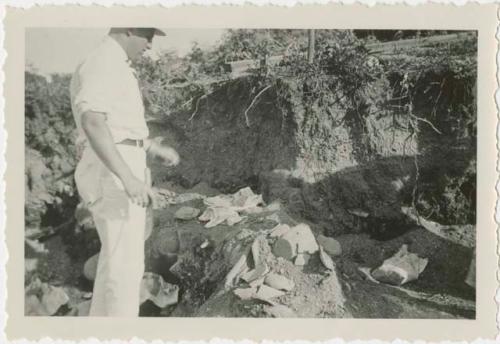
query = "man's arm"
{"x": 100, "y": 139}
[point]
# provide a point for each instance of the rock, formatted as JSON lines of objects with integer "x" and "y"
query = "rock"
{"x": 83, "y": 216}
{"x": 43, "y": 299}
{"x": 285, "y": 247}
{"x": 274, "y": 218}
{"x": 83, "y": 308}
{"x": 186, "y": 197}
{"x": 33, "y": 306}
{"x": 90, "y": 267}
{"x": 265, "y": 292}
{"x": 302, "y": 259}
{"x": 87, "y": 295}
{"x": 298, "y": 239}
{"x": 259, "y": 271}
{"x": 280, "y": 311}
{"x": 30, "y": 264}
{"x": 326, "y": 260}
{"x": 306, "y": 241}
{"x": 275, "y": 206}
{"x": 186, "y": 213}
{"x": 161, "y": 293}
{"x": 279, "y": 282}
{"x": 470, "y": 279}
{"x": 223, "y": 201}
{"x": 260, "y": 249}
{"x": 168, "y": 243}
{"x": 330, "y": 245}
{"x": 245, "y": 293}
{"x": 245, "y": 198}
{"x": 36, "y": 246}
{"x": 279, "y": 230}
{"x": 253, "y": 210}
{"x": 401, "y": 268}
{"x": 257, "y": 283}
{"x": 236, "y": 272}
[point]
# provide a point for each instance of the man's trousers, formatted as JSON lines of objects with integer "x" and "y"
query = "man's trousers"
{"x": 120, "y": 225}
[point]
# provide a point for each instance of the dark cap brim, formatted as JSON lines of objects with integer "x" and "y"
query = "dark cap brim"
{"x": 159, "y": 32}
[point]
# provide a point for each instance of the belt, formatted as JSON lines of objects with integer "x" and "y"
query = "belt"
{"x": 131, "y": 142}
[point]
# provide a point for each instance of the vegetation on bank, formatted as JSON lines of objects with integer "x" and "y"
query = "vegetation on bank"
{"x": 429, "y": 90}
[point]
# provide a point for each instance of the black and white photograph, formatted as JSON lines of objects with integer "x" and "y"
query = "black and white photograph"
{"x": 250, "y": 173}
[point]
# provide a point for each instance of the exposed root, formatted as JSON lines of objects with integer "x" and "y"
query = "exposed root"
{"x": 253, "y": 103}
{"x": 198, "y": 104}
{"x": 428, "y": 122}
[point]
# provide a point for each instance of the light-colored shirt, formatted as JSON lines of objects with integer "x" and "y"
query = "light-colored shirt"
{"x": 104, "y": 82}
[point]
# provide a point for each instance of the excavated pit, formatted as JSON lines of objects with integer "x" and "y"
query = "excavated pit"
{"x": 345, "y": 178}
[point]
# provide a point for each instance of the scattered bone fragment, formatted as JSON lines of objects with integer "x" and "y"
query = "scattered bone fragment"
{"x": 216, "y": 215}
{"x": 279, "y": 282}
{"x": 358, "y": 213}
{"x": 366, "y": 272}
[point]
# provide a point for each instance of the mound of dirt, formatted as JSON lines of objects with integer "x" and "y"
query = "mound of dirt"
{"x": 200, "y": 260}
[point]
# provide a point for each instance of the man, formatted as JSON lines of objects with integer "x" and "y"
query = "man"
{"x": 111, "y": 175}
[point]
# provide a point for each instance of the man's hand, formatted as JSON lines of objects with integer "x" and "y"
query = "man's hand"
{"x": 167, "y": 155}
{"x": 139, "y": 192}
{"x": 99, "y": 136}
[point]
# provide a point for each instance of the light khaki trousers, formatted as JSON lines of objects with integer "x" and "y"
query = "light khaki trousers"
{"x": 120, "y": 225}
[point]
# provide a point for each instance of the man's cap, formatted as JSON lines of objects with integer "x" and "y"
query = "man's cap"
{"x": 159, "y": 32}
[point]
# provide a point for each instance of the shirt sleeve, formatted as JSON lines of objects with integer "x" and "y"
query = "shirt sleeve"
{"x": 95, "y": 88}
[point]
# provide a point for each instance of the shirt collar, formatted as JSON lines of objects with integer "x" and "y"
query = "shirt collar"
{"x": 117, "y": 49}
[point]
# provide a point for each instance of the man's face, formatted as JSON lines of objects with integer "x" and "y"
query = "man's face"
{"x": 139, "y": 40}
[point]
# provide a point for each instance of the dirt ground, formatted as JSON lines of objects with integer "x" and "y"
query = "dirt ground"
{"x": 439, "y": 292}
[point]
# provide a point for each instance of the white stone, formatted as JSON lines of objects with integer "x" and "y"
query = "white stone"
{"x": 186, "y": 213}
{"x": 279, "y": 282}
